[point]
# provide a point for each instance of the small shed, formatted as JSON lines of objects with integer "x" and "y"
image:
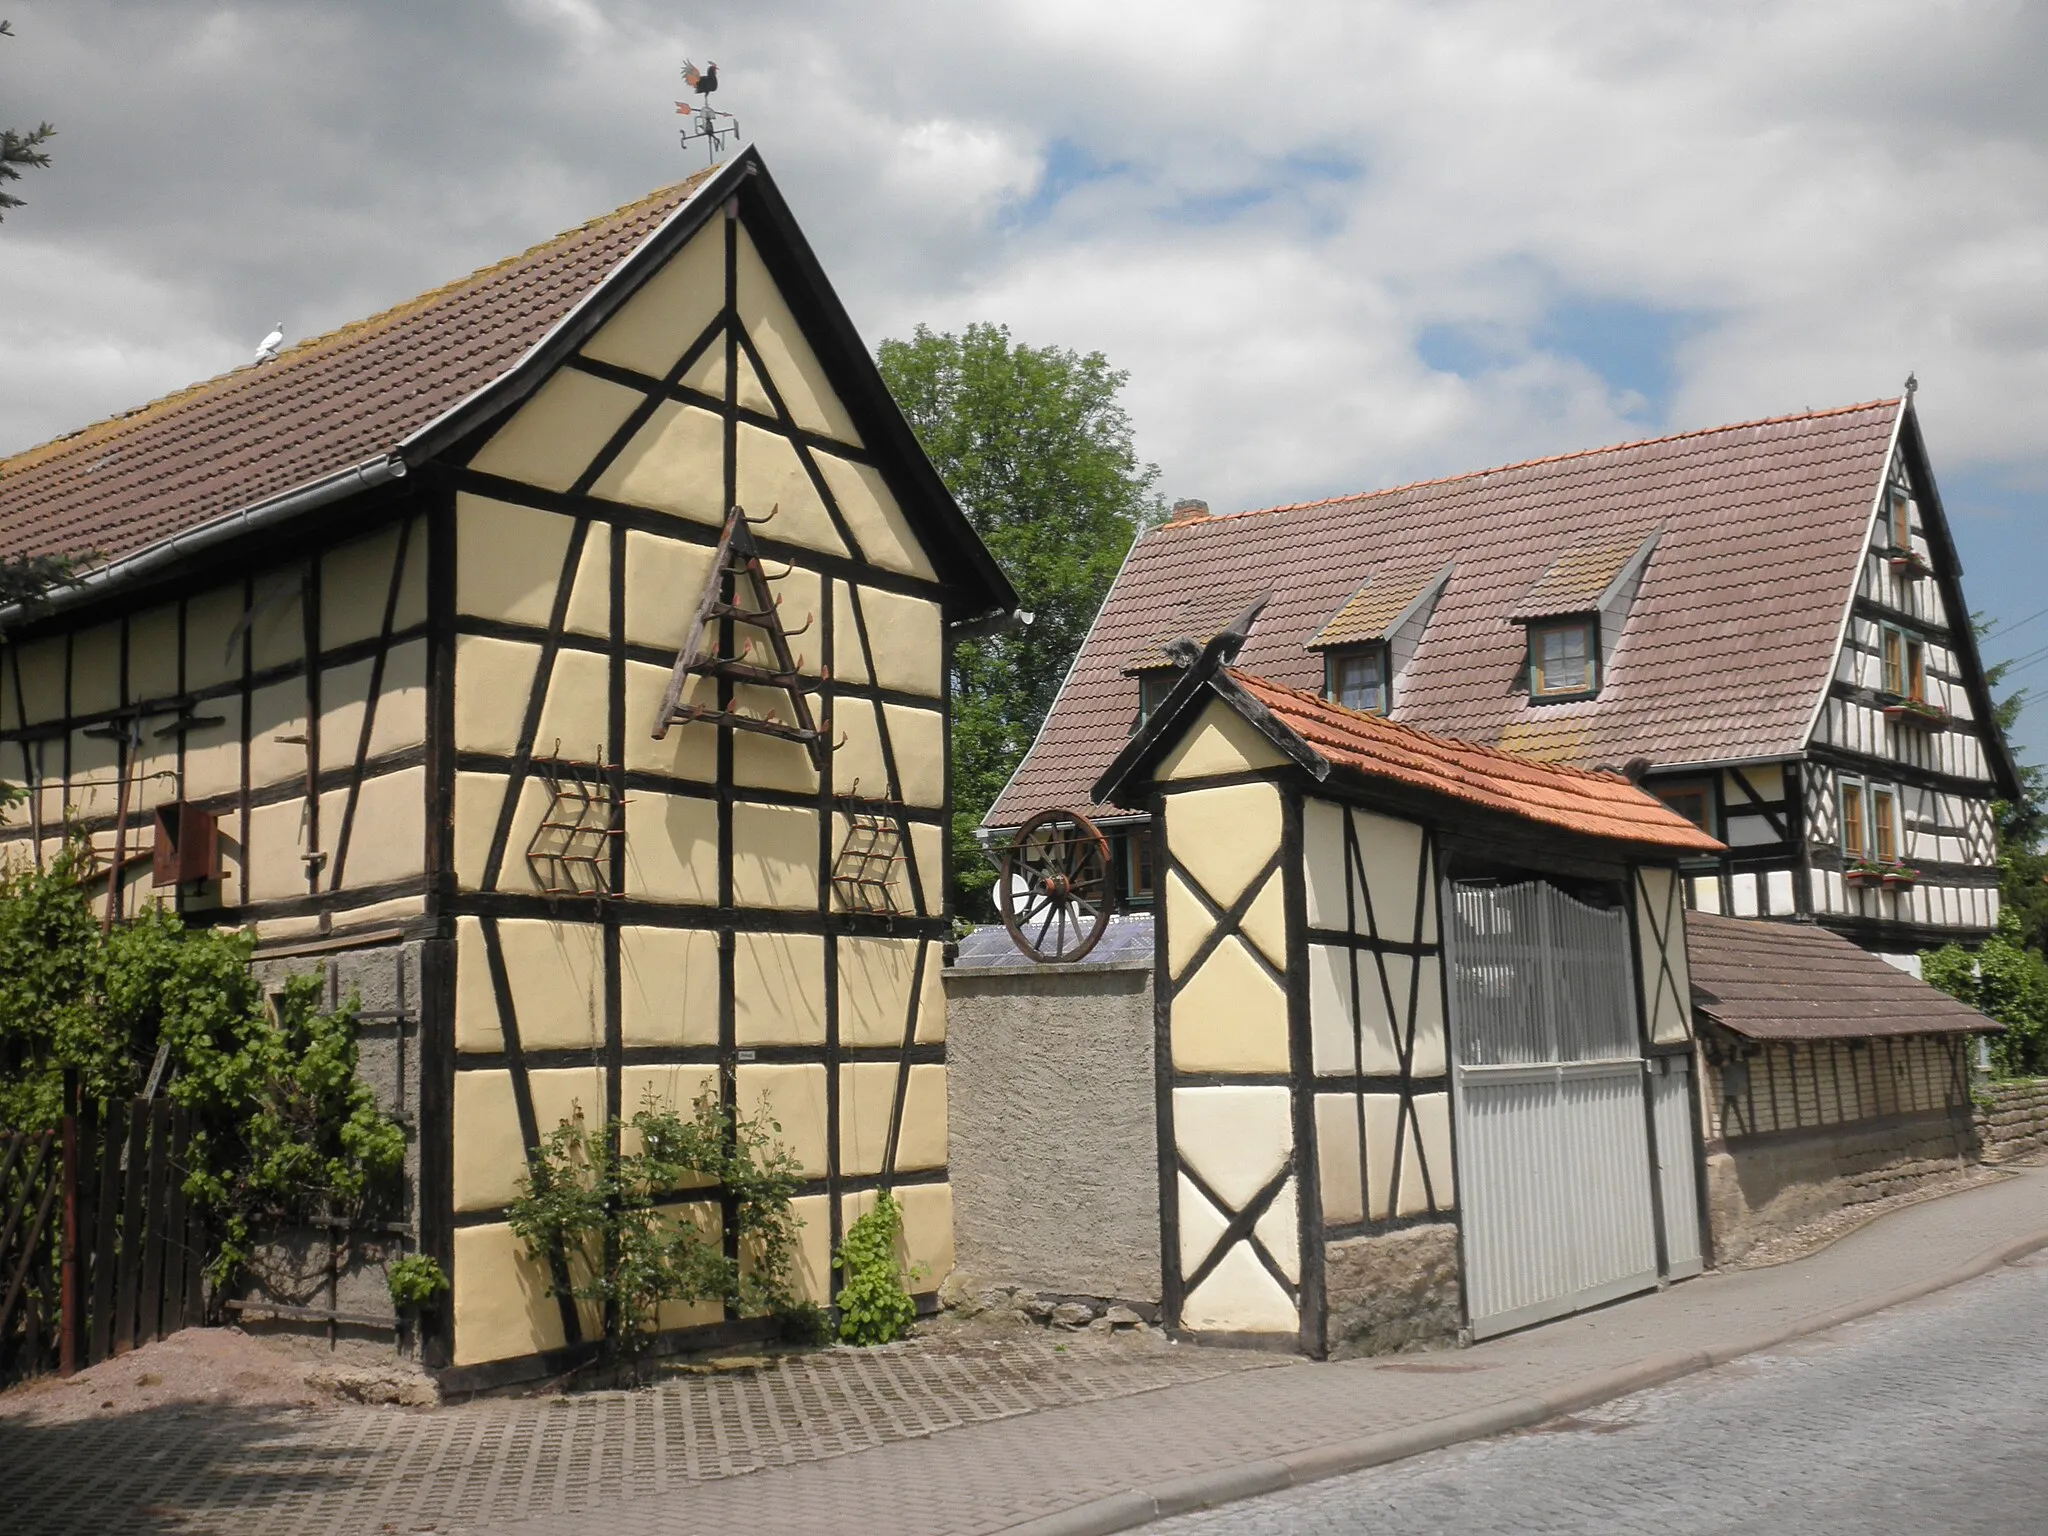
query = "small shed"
{"x": 1831, "y": 1077}
{"x": 1420, "y": 1055}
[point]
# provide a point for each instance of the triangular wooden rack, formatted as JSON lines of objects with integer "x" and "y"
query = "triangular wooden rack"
{"x": 738, "y": 590}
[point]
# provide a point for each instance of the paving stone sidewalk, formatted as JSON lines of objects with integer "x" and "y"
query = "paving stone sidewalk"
{"x": 913, "y": 1440}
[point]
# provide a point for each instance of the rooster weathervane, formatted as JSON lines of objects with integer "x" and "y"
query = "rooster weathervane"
{"x": 704, "y": 121}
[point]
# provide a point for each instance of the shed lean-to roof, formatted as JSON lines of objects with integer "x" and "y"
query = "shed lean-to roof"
{"x": 321, "y": 406}
{"x": 1795, "y": 981}
{"x": 1729, "y": 642}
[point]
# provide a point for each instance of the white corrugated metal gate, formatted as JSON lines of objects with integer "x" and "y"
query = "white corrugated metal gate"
{"x": 1554, "y": 1160}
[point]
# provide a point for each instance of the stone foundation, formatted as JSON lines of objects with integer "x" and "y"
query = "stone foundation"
{"x": 1392, "y": 1292}
{"x": 1762, "y": 1186}
{"x": 2014, "y": 1122}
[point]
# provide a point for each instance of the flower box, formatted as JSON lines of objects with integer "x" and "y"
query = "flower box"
{"x": 1927, "y": 717}
{"x": 1905, "y": 562}
{"x": 1900, "y": 878}
{"x": 1864, "y": 874}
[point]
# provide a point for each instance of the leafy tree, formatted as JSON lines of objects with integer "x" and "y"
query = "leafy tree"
{"x": 19, "y": 151}
{"x": 2007, "y": 980}
{"x": 1035, "y": 445}
{"x": 2023, "y": 867}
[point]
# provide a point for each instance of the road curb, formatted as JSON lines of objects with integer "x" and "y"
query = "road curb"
{"x": 1140, "y": 1506}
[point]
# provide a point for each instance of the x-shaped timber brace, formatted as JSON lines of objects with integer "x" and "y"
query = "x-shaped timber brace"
{"x": 739, "y": 591}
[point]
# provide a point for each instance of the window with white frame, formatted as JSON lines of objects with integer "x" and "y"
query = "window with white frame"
{"x": 1564, "y": 659}
{"x": 1356, "y": 677}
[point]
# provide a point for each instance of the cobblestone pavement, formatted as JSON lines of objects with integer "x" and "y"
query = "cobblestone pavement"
{"x": 918, "y": 1440}
{"x": 1929, "y": 1418}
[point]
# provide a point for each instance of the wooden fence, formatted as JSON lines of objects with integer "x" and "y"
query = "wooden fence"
{"x": 99, "y": 1249}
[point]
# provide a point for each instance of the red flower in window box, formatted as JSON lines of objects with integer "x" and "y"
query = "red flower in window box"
{"x": 1916, "y": 712}
{"x": 1905, "y": 562}
{"x": 1867, "y": 872}
{"x": 1899, "y": 877}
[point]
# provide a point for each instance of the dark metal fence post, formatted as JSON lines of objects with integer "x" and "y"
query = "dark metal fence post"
{"x": 71, "y": 1323}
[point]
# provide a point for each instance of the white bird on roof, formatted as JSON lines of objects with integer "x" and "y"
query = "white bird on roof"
{"x": 267, "y": 349}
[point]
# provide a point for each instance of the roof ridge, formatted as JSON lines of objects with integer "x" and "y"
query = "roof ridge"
{"x": 299, "y": 351}
{"x": 1552, "y": 458}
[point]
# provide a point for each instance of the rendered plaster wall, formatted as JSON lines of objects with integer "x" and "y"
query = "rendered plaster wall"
{"x": 1392, "y": 1291}
{"x": 1761, "y": 1186}
{"x": 1051, "y": 1100}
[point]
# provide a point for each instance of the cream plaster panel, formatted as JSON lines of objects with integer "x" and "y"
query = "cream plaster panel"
{"x": 652, "y": 329}
{"x": 153, "y": 654}
{"x": 687, "y": 751}
{"x": 1337, "y": 1159}
{"x": 276, "y": 711}
{"x": 493, "y": 679}
{"x": 793, "y": 1096}
{"x": 1333, "y": 1046}
{"x": 705, "y": 1216}
{"x": 867, "y": 1099}
{"x": 1265, "y": 921}
{"x": 812, "y": 1269}
{"x": 577, "y": 712}
{"x": 784, "y": 350}
{"x": 1201, "y": 1224}
{"x": 508, "y": 559}
{"x": 849, "y": 656}
{"x": 499, "y": 1298}
{"x": 675, "y": 463}
{"x": 490, "y": 1152}
{"x": 749, "y": 391}
{"x": 1279, "y": 1230}
{"x": 1433, "y": 1118}
{"x": 672, "y": 848}
{"x": 1235, "y": 1139}
{"x": 771, "y": 480}
{"x": 774, "y": 856}
{"x": 906, "y": 641}
{"x": 1391, "y": 852}
{"x": 928, "y": 850}
{"x": 1768, "y": 778}
{"x": 872, "y": 514}
{"x": 857, "y": 761}
{"x": 1222, "y": 741}
{"x": 767, "y": 762}
{"x": 590, "y": 596}
{"x": 1428, "y": 1057}
{"x": 95, "y": 669}
{"x": 668, "y": 986}
{"x": 94, "y": 779}
{"x": 478, "y": 799}
{"x": 1239, "y": 1297}
{"x": 874, "y": 992}
{"x": 552, "y": 970}
{"x": 401, "y": 720}
{"x": 272, "y": 863}
{"x": 355, "y": 584}
{"x": 919, "y": 739}
{"x": 388, "y": 838}
{"x": 675, "y": 1087}
{"x": 778, "y": 984}
{"x": 1223, "y": 837}
{"x": 926, "y": 1247}
{"x": 1230, "y": 1017}
{"x": 552, "y": 438}
{"x": 707, "y": 374}
{"x": 277, "y": 630}
{"x": 211, "y": 657}
{"x": 1188, "y": 924}
{"x": 665, "y": 580}
{"x": 41, "y": 663}
{"x": 1382, "y": 1128}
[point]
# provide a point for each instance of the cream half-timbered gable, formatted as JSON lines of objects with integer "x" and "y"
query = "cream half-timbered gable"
{"x": 437, "y": 718}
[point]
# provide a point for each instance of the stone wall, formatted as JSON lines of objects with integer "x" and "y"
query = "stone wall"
{"x": 1392, "y": 1291}
{"x": 1052, "y": 1113}
{"x": 339, "y": 1270}
{"x": 1761, "y": 1186}
{"x": 2015, "y": 1123}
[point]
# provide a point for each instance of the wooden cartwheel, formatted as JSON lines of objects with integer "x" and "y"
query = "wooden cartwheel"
{"x": 1054, "y": 887}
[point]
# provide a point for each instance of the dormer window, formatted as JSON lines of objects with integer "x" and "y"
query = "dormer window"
{"x": 1153, "y": 687}
{"x": 1356, "y": 677}
{"x": 1564, "y": 659}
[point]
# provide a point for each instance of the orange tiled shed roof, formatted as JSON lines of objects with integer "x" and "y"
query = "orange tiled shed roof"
{"x": 1602, "y": 805}
{"x": 321, "y": 407}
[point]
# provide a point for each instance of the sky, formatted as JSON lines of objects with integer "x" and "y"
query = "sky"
{"x": 1337, "y": 245}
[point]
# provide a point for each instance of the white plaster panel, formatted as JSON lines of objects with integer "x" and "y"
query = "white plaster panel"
{"x": 1382, "y": 1129}
{"x": 95, "y": 669}
{"x": 1333, "y": 1048}
{"x": 401, "y": 719}
{"x": 1223, "y": 837}
{"x": 273, "y": 864}
{"x": 1433, "y": 1126}
{"x": 152, "y": 654}
{"x": 1187, "y": 924}
{"x": 575, "y": 719}
{"x": 1201, "y": 1224}
{"x": 668, "y": 992}
{"x": 1391, "y": 852}
{"x": 1322, "y": 850}
{"x": 1239, "y": 1297}
{"x": 1230, "y": 1015}
{"x": 793, "y": 1096}
{"x": 1235, "y": 1139}
{"x": 875, "y": 977}
{"x": 687, "y": 751}
{"x": 508, "y": 559}
{"x": 41, "y": 664}
{"x": 1337, "y": 1158}
{"x": 1279, "y": 1231}
{"x": 1778, "y": 888}
{"x": 1428, "y": 1054}
{"x": 499, "y": 1298}
{"x": 355, "y": 585}
{"x": 1265, "y": 920}
{"x": 919, "y": 739}
{"x": 665, "y": 580}
{"x": 857, "y": 761}
{"x": 1742, "y": 887}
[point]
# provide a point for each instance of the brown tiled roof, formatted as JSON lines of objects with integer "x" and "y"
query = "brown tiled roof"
{"x": 1728, "y": 644}
{"x": 1578, "y": 577}
{"x": 1200, "y": 616}
{"x": 1795, "y": 981}
{"x": 321, "y": 407}
{"x": 1602, "y": 805}
{"x": 1373, "y": 609}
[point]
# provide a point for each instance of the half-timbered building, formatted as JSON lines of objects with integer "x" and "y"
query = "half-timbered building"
{"x": 1764, "y": 623}
{"x": 570, "y": 643}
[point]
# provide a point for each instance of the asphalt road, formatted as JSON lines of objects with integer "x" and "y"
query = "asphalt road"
{"x": 1926, "y": 1420}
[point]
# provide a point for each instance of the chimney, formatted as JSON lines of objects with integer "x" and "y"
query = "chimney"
{"x": 1188, "y": 509}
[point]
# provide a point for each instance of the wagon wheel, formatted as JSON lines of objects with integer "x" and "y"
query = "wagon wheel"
{"x": 1055, "y": 886}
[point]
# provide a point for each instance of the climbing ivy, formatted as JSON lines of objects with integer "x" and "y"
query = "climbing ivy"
{"x": 874, "y": 1307}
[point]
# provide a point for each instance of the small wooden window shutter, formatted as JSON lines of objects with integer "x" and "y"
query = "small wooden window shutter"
{"x": 1894, "y": 664}
{"x": 187, "y": 845}
{"x": 1887, "y": 839}
{"x": 1852, "y": 820}
{"x": 1902, "y": 520}
{"x": 1916, "y": 671}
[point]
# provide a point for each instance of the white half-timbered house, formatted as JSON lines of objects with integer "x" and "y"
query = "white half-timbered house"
{"x": 570, "y": 644}
{"x": 1764, "y": 623}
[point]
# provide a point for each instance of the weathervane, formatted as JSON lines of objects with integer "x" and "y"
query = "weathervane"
{"x": 703, "y": 121}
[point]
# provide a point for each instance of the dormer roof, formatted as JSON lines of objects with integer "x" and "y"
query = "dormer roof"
{"x": 1585, "y": 576}
{"x": 1388, "y": 598}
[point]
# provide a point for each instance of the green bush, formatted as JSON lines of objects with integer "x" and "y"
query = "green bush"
{"x": 874, "y": 1306}
{"x": 414, "y": 1281}
{"x": 2006, "y": 980}
{"x": 607, "y": 1223}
